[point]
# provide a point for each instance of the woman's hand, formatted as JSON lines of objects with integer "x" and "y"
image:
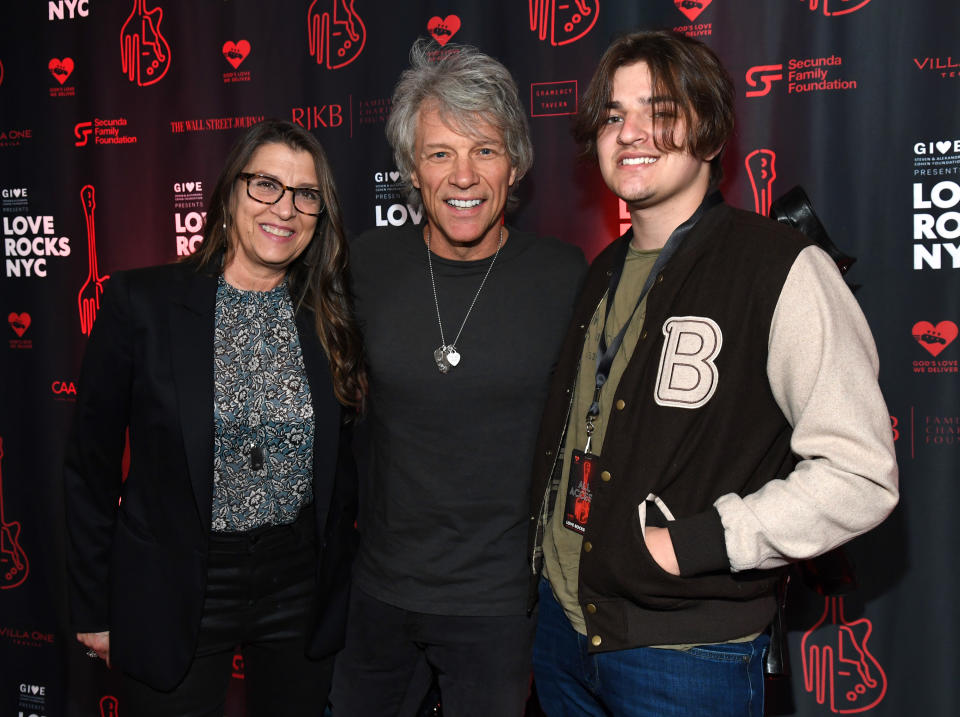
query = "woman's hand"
{"x": 99, "y": 642}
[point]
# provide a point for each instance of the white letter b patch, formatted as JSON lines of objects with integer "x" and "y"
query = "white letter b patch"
{"x": 687, "y": 376}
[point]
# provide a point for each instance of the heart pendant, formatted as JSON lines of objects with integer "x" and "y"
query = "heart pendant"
{"x": 453, "y": 356}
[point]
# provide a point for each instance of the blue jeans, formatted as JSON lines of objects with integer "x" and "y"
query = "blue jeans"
{"x": 709, "y": 680}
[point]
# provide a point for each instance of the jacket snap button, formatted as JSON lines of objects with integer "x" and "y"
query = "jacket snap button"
{"x": 596, "y": 640}
{"x": 591, "y": 608}
{"x": 605, "y": 476}
{"x": 621, "y": 404}
{"x": 587, "y": 546}
{"x": 643, "y": 334}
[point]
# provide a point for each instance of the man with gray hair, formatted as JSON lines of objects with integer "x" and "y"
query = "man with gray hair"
{"x": 462, "y": 319}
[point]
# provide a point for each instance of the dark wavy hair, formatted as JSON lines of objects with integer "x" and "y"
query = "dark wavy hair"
{"x": 681, "y": 68}
{"x": 318, "y": 278}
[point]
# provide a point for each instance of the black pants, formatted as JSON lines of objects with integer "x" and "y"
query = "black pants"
{"x": 482, "y": 664}
{"x": 260, "y": 588}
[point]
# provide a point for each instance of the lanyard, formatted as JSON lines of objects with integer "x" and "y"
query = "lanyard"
{"x": 606, "y": 354}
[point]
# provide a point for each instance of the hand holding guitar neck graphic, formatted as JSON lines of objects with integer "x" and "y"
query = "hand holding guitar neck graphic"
{"x": 89, "y": 298}
{"x": 564, "y": 21}
{"x": 337, "y": 35}
{"x": 144, "y": 52}
{"x": 837, "y": 665}
{"x": 14, "y": 566}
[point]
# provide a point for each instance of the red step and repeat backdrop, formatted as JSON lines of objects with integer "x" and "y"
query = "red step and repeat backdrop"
{"x": 115, "y": 116}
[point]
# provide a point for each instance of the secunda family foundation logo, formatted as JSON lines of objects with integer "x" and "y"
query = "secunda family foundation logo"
{"x": 561, "y": 22}
{"x": 801, "y": 75}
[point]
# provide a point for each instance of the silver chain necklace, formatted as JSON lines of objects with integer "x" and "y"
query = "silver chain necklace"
{"x": 447, "y": 356}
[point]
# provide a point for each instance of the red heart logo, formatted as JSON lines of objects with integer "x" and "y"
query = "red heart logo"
{"x": 19, "y": 323}
{"x": 236, "y": 52}
{"x": 935, "y": 338}
{"x": 692, "y": 8}
{"x": 60, "y": 69}
{"x": 443, "y": 29}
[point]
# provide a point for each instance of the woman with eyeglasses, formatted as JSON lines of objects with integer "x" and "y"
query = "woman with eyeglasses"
{"x": 235, "y": 374}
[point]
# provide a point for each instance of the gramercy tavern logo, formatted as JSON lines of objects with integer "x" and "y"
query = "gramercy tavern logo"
{"x": 562, "y": 21}
{"x": 832, "y": 8}
{"x": 335, "y": 32}
{"x": 838, "y": 668}
{"x": 144, "y": 52}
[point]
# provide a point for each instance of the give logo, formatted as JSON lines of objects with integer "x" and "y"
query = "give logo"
{"x": 236, "y": 52}
{"x": 442, "y": 29}
{"x": 934, "y": 338}
{"x": 19, "y": 323}
{"x": 60, "y": 69}
{"x": 692, "y": 8}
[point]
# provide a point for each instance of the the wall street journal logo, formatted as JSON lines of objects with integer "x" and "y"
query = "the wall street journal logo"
{"x": 550, "y": 99}
{"x": 214, "y": 124}
{"x": 799, "y": 75}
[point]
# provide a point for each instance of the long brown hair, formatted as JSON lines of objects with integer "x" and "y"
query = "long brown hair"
{"x": 681, "y": 68}
{"x": 318, "y": 278}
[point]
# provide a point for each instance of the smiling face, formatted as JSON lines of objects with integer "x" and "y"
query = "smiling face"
{"x": 644, "y": 176}
{"x": 266, "y": 238}
{"x": 464, "y": 181}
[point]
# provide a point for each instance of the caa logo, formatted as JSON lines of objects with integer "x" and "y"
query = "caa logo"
{"x": 562, "y": 21}
{"x": 67, "y": 9}
{"x": 833, "y": 8}
{"x": 762, "y": 78}
{"x": 61, "y": 388}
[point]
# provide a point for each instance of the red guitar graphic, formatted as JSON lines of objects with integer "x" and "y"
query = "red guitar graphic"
{"x": 336, "y": 36}
{"x": 565, "y": 21}
{"x": 144, "y": 52}
{"x": 837, "y": 7}
{"x": 762, "y": 172}
{"x": 837, "y": 665}
{"x": 14, "y": 566}
{"x": 109, "y": 706}
{"x": 581, "y": 504}
{"x": 89, "y": 298}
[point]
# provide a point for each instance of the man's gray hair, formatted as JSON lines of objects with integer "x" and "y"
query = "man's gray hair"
{"x": 465, "y": 86}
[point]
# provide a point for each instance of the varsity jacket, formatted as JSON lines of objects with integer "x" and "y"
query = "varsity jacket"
{"x": 748, "y": 421}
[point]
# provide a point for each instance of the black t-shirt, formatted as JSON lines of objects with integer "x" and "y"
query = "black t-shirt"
{"x": 443, "y": 519}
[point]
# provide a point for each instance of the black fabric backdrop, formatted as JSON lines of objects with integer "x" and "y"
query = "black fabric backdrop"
{"x": 115, "y": 117}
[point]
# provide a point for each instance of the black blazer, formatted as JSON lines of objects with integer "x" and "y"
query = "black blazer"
{"x": 140, "y": 570}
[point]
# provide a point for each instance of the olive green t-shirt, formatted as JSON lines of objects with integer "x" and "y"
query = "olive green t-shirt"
{"x": 561, "y": 546}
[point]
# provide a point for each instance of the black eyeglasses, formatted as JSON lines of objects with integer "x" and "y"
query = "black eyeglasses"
{"x": 267, "y": 190}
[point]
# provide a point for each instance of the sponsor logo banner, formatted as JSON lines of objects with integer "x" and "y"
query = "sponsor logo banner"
{"x": 235, "y": 53}
{"x": 19, "y": 322}
{"x": 550, "y": 99}
{"x": 103, "y": 131}
{"x": 561, "y": 22}
{"x": 214, "y": 124}
{"x": 945, "y": 66}
{"x": 801, "y": 75}
{"x": 28, "y": 242}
